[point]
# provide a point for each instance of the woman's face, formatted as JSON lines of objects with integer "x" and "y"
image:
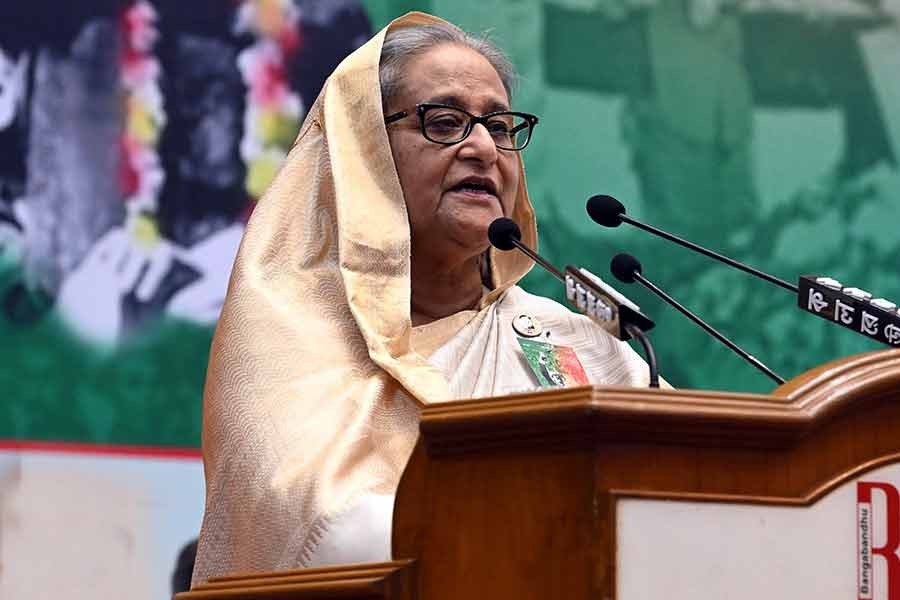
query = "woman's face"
{"x": 448, "y": 219}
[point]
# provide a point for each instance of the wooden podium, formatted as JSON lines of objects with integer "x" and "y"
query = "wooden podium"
{"x": 525, "y": 496}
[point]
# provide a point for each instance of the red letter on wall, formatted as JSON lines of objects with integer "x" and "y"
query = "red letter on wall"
{"x": 889, "y": 550}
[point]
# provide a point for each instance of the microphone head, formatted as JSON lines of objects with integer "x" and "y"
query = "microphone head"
{"x": 502, "y": 232}
{"x": 605, "y": 210}
{"x": 624, "y": 266}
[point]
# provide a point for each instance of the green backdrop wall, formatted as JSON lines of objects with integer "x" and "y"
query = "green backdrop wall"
{"x": 769, "y": 132}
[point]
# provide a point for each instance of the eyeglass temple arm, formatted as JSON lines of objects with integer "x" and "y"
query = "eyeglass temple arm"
{"x": 395, "y": 117}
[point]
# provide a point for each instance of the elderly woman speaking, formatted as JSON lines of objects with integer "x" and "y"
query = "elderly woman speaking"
{"x": 365, "y": 288}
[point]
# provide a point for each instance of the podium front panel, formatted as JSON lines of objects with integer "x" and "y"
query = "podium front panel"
{"x": 841, "y": 544}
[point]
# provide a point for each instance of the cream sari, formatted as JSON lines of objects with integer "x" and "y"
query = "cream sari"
{"x": 316, "y": 375}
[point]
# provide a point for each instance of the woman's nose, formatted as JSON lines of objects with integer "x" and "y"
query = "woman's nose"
{"x": 479, "y": 145}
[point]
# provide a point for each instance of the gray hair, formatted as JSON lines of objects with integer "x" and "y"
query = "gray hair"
{"x": 402, "y": 45}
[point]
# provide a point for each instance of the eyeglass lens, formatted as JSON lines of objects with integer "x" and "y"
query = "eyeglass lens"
{"x": 449, "y": 125}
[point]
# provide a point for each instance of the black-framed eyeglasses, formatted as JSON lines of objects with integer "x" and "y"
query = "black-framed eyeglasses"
{"x": 448, "y": 125}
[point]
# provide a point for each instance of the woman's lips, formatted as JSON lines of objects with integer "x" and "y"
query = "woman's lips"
{"x": 474, "y": 193}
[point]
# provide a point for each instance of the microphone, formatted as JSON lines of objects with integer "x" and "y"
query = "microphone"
{"x": 504, "y": 234}
{"x": 605, "y": 210}
{"x": 627, "y": 269}
{"x": 609, "y": 212}
{"x": 825, "y": 297}
{"x": 613, "y": 312}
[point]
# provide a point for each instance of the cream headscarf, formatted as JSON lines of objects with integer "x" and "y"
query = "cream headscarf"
{"x": 313, "y": 389}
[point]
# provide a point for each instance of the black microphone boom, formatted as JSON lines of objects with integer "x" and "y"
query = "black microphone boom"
{"x": 627, "y": 269}
{"x": 609, "y": 212}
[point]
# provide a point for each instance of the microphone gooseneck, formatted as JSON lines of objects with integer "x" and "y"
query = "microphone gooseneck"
{"x": 627, "y": 269}
{"x": 609, "y": 212}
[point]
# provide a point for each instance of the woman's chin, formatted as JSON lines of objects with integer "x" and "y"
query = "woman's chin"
{"x": 474, "y": 238}
{"x": 459, "y": 232}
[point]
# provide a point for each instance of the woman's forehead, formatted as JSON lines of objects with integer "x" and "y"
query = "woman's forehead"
{"x": 488, "y": 104}
{"x": 457, "y": 76}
